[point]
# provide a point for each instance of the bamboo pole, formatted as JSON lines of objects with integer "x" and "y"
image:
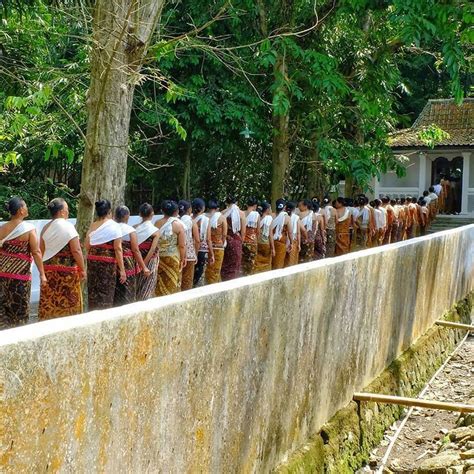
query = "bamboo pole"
{"x": 413, "y": 402}
{"x": 450, "y": 324}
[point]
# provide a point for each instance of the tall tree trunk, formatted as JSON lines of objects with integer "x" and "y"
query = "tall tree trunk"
{"x": 122, "y": 31}
{"x": 281, "y": 139}
{"x": 186, "y": 183}
{"x": 318, "y": 182}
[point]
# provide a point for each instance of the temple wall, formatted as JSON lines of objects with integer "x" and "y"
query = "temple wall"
{"x": 227, "y": 378}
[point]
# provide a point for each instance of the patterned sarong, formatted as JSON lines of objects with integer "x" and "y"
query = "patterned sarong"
{"x": 232, "y": 257}
{"x": 320, "y": 244}
{"x": 187, "y": 276}
{"x": 343, "y": 237}
{"x": 280, "y": 255}
{"x": 330, "y": 242}
{"x": 101, "y": 276}
{"x": 62, "y": 295}
{"x": 213, "y": 271}
{"x": 146, "y": 285}
{"x": 15, "y": 283}
{"x": 263, "y": 260}
{"x": 307, "y": 251}
{"x": 249, "y": 254}
{"x": 127, "y": 292}
{"x": 292, "y": 256}
{"x": 169, "y": 276}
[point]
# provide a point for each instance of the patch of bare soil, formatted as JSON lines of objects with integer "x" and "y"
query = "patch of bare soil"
{"x": 435, "y": 441}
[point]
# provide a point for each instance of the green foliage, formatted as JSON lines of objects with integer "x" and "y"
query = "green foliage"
{"x": 343, "y": 85}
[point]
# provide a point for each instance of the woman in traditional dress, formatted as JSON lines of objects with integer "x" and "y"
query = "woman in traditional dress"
{"x": 447, "y": 198}
{"x": 18, "y": 247}
{"x": 172, "y": 245}
{"x": 265, "y": 245}
{"x": 193, "y": 243}
{"x": 380, "y": 222}
{"x": 309, "y": 222}
{"x": 395, "y": 223}
{"x": 330, "y": 227}
{"x": 250, "y": 245}
{"x": 343, "y": 225}
{"x": 126, "y": 293}
{"x": 218, "y": 225}
{"x": 206, "y": 251}
{"x": 297, "y": 232}
{"x": 320, "y": 237}
{"x": 148, "y": 239}
{"x": 281, "y": 235}
{"x": 63, "y": 265}
{"x": 235, "y": 235}
{"x": 104, "y": 258}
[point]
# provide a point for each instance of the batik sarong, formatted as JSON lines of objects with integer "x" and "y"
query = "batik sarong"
{"x": 232, "y": 257}
{"x": 343, "y": 237}
{"x": 169, "y": 276}
{"x": 187, "y": 276}
{"x": 15, "y": 283}
{"x": 249, "y": 255}
{"x": 330, "y": 242}
{"x": 213, "y": 270}
{"x": 292, "y": 256}
{"x": 320, "y": 244}
{"x": 263, "y": 260}
{"x": 62, "y": 295}
{"x": 126, "y": 293}
{"x": 306, "y": 253}
{"x": 278, "y": 260}
{"x": 101, "y": 276}
{"x": 146, "y": 284}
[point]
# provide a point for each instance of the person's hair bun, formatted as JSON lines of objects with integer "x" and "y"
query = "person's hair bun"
{"x": 102, "y": 207}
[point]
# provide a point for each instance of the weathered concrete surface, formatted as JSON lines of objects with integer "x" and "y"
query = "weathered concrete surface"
{"x": 228, "y": 378}
{"x": 345, "y": 442}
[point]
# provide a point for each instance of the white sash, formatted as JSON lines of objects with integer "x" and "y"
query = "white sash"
{"x": 107, "y": 232}
{"x": 215, "y": 219}
{"x": 22, "y": 228}
{"x": 187, "y": 222}
{"x": 346, "y": 214}
{"x": 144, "y": 231}
{"x": 204, "y": 220}
{"x": 58, "y": 234}
{"x": 307, "y": 221}
{"x": 167, "y": 228}
{"x": 126, "y": 231}
{"x": 278, "y": 224}
{"x": 294, "y": 225}
{"x": 265, "y": 225}
{"x": 234, "y": 213}
{"x": 252, "y": 219}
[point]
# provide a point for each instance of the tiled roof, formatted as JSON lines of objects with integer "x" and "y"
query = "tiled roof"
{"x": 457, "y": 121}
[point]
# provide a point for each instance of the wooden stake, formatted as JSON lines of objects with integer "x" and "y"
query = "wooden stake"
{"x": 450, "y": 324}
{"x": 413, "y": 402}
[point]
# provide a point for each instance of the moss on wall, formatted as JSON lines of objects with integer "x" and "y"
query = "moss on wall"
{"x": 344, "y": 443}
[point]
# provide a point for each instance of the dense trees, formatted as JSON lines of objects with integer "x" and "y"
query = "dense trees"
{"x": 253, "y": 97}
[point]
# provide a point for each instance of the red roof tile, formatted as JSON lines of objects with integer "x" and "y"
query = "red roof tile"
{"x": 457, "y": 121}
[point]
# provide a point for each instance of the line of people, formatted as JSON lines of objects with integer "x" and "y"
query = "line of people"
{"x": 189, "y": 245}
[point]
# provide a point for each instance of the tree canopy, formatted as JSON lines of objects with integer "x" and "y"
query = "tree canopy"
{"x": 262, "y": 98}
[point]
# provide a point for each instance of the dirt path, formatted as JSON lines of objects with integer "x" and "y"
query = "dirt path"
{"x": 429, "y": 437}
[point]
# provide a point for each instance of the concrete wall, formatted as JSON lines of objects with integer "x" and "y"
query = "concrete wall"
{"x": 226, "y": 378}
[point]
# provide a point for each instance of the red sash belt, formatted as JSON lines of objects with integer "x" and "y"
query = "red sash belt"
{"x": 21, "y": 256}
{"x": 61, "y": 268}
{"x": 145, "y": 246}
{"x": 100, "y": 258}
{"x": 15, "y": 276}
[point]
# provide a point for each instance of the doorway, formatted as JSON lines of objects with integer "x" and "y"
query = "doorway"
{"x": 451, "y": 170}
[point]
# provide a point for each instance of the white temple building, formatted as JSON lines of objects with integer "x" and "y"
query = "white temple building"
{"x": 453, "y": 157}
